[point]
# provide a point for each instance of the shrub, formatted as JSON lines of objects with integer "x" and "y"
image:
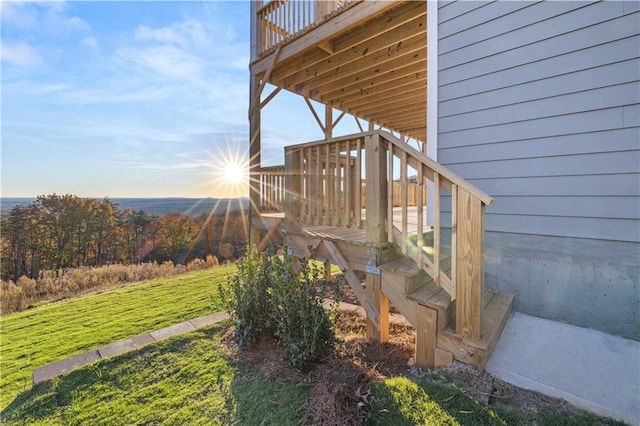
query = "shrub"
{"x": 247, "y": 298}
{"x": 303, "y": 326}
{"x": 274, "y": 297}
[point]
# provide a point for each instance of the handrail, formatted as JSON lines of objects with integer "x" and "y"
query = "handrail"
{"x": 280, "y": 20}
{"x": 460, "y": 274}
{"x": 438, "y": 168}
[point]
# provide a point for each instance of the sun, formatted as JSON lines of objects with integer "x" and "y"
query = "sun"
{"x": 229, "y": 171}
{"x": 234, "y": 173}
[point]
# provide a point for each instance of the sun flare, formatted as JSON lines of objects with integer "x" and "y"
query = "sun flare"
{"x": 229, "y": 172}
{"x": 234, "y": 173}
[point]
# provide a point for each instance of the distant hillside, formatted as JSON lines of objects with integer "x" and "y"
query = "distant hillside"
{"x": 159, "y": 206}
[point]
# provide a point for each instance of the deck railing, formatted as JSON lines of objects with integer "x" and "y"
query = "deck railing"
{"x": 323, "y": 182}
{"x": 279, "y": 20}
{"x": 271, "y": 183}
{"x": 324, "y": 179}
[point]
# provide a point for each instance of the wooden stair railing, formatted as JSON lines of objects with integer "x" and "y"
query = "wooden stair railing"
{"x": 463, "y": 255}
{"x": 323, "y": 182}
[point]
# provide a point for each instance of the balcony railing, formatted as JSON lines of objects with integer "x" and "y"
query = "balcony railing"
{"x": 280, "y": 20}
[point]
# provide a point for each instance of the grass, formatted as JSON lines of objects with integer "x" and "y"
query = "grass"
{"x": 187, "y": 379}
{"x": 194, "y": 378}
{"x": 53, "y": 332}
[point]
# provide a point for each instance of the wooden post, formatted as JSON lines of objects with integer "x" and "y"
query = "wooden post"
{"x": 426, "y": 328}
{"x": 292, "y": 197}
{"x": 381, "y": 303}
{"x": 375, "y": 229}
{"x": 254, "y": 161}
{"x": 254, "y": 133}
{"x": 469, "y": 265}
{"x": 328, "y": 122}
{"x": 376, "y": 189}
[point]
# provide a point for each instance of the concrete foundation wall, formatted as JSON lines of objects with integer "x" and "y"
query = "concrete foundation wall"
{"x": 584, "y": 282}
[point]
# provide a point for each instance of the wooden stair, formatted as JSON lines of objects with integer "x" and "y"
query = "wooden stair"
{"x": 413, "y": 292}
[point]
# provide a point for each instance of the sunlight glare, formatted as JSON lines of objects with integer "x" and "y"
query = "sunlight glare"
{"x": 229, "y": 172}
{"x": 234, "y": 173}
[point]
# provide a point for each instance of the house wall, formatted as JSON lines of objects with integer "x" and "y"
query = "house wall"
{"x": 539, "y": 106}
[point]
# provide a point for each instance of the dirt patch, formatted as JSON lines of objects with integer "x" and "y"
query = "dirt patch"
{"x": 341, "y": 383}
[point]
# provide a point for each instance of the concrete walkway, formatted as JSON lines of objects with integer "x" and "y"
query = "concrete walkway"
{"x": 64, "y": 366}
{"x": 587, "y": 368}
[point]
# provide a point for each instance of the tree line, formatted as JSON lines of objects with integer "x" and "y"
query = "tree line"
{"x": 63, "y": 231}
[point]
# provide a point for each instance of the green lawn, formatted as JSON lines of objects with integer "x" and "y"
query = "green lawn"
{"x": 190, "y": 379}
{"x": 185, "y": 380}
{"x": 53, "y": 332}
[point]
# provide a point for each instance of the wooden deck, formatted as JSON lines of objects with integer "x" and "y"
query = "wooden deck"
{"x": 353, "y": 235}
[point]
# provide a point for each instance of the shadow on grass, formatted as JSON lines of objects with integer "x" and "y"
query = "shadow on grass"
{"x": 55, "y": 398}
{"x": 187, "y": 379}
{"x": 407, "y": 401}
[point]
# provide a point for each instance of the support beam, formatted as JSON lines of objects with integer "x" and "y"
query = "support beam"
{"x": 315, "y": 114}
{"x": 426, "y": 328}
{"x": 337, "y": 258}
{"x": 378, "y": 332}
{"x": 269, "y": 236}
{"x": 254, "y": 161}
{"x": 328, "y": 122}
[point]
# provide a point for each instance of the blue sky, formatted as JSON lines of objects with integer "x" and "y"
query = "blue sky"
{"x": 132, "y": 99}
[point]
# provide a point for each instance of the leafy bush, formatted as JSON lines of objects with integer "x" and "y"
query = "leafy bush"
{"x": 303, "y": 326}
{"x": 247, "y": 298}
{"x": 276, "y": 297}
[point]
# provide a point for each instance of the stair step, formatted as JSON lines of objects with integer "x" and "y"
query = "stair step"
{"x": 494, "y": 317}
{"x": 495, "y": 314}
{"x": 403, "y": 266}
{"x": 432, "y": 296}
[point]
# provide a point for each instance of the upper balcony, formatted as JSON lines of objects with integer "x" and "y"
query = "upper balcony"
{"x": 365, "y": 58}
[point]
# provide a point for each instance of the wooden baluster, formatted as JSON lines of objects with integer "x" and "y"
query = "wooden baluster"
{"x": 390, "y": 194}
{"x": 454, "y": 240}
{"x": 420, "y": 214}
{"x": 347, "y": 187}
{"x": 329, "y": 171}
{"x": 320, "y": 184}
{"x": 358, "y": 184}
{"x": 403, "y": 183}
{"x": 337, "y": 186}
{"x": 436, "y": 229}
{"x": 304, "y": 152}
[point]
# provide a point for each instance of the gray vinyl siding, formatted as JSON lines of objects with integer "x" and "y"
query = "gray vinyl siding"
{"x": 539, "y": 106}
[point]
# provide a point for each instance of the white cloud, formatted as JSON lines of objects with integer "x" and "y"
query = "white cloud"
{"x": 181, "y": 33}
{"x": 90, "y": 42}
{"x": 48, "y": 16}
{"x": 19, "y": 54}
{"x": 167, "y": 61}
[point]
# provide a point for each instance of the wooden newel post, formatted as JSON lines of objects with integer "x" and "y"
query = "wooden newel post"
{"x": 469, "y": 265}
{"x": 293, "y": 190}
{"x": 376, "y": 189}
{"x": 376, "y": 231}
